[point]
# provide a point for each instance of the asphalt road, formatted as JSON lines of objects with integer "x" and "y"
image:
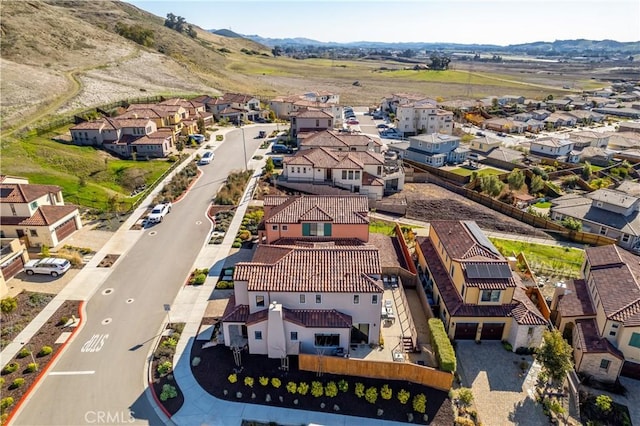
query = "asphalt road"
{"x": 99, "y": 378}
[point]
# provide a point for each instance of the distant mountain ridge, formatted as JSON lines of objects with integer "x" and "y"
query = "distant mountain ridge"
{"x": 559, "y": 46}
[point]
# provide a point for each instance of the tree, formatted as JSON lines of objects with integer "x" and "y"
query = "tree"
{"x": 491, "y": 185}
{"x": 555, "y": 355}
{"x": 571, "y": 224}
{"x": 586, "y": 171}
{"x": 268, "y": 168}
{"x": 201, "y": 127}
{"x": 276, "y": 51}
{"x": 516, "y": 179}
{"x": 191, "y": 32}
{"x": 537, "y": 184}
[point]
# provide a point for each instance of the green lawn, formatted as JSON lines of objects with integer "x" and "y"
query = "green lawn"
{"x": 542, "y": 258}
{"x": 382, "y": 227}
{"x": 481, "y": 172}
{"x": 543, "y": 205}
{"x": 88, "y": 176}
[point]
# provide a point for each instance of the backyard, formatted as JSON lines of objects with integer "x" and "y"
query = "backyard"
{"x": 485, "y": 171}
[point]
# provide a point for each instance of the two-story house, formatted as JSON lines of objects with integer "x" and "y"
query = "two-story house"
{"x": 283, "y": 106}
{"x": 608, "y": 212}
{"x": 307, "y": 292}
{"x": 550, "y": 147}
{"x": 392, "y": 102}
{"x": 600, "y": 314}
{"x": 310, "y": 120}
{"x": 337, "y": 141}
{"x": 436, "y": 149}
{"x": 423, "y": 116}
{"x": 475, "y": 292}
{"x": 236, "y": 107}
{"x": 36, "y": 214}
{"x": 97, "y": 132}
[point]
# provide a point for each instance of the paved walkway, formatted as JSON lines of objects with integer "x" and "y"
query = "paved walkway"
{"x": 503, "y": 392}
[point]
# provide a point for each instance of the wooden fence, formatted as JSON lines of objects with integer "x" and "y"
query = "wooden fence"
{"x": 414, "y": 373}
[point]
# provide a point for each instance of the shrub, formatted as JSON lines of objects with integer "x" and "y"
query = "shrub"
{"x": 1, "y": 381}
{"x": 8, "y": 305}
{"x": 45, "y": 350}
{"x": 169, "y": 342}
{"x": 343, "y": 385}
{"x": 164, "y": 368}
{"x": 10, "y": 368}
{"x": 386, "y": 392}
{"x": 403, "y": 396}
{"x": 248, "y": 381}
{"x": 331, "y": 389}
{"x": 221, "y": 285}
{"x": 31, "y": 367}
{"x": 168, "y": 392}
{"x": 24, "y": 352}
{"x": 199, "y": 279}
{"x": 292, "y": 387}
{"x": 232, "y": 378}
{"x": 465, "y": 395}
{"x": 219, "y": 138}
{"x": 507, "y": 346}
{"x": 316, "y": 389}
{"x": 5, "y": 403}
{"x": 275, "y": 382}
{"x": 359, "y": 391}
{"x": 17, "y": 383}
{"x": 236, "y": 245}
{"x": 420, "y": 403}
{"x": 442, "y": 345}
{"x": 303, "y": 388}
{"x": 371, "y": 395}
{"x": 463, "y": 421}
{"x": 603, "y": 402}
{"x": 264, "y": 381}
{"x": 63, "y": 320}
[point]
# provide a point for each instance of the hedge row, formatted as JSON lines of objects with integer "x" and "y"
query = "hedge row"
{"x": 442, "y": 345}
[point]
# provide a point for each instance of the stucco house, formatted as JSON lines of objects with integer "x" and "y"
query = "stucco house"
{"x": 95, "y": 133}
{"x": 436, "y": 150}
{"x": 422, "y": 116}
{"x": 311, "y": 293}
{"x": 339, "y": 141}
{"x": 608, "y": 212}
{"x": 600, "y": 314}
{"x": 310, "y": 121}
{"x": 236, "y": 107}
{"x": 475, "y": 292}
{"x": 283, "y": 106}
{"x": 550, "y": 147}
{"x": 36, "y": 214}
{"x": 506, "y": 125}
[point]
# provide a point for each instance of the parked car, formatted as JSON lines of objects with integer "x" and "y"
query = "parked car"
{"x": 382, "y": 126}
{"x": 501, "y": 134}
{"x": 49, "y": 266}
{"x": 353, "y": 121}
{"x": 280, "y": 149}
{"x": 197, "y": 137}
{"x": 479, "y": 134}
{"x": 206, "y": 158}
{"x": 159, "y": 212}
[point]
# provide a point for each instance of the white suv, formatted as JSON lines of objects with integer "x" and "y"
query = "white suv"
{"x": 159, "y": 212}
{"x": 48, "y": 266}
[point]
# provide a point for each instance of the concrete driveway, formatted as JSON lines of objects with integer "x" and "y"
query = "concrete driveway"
{"x": 503, "y": 391}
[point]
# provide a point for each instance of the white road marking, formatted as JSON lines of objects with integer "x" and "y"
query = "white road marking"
{"x": 95, "y": 343}
{"x": 71, "y": 373}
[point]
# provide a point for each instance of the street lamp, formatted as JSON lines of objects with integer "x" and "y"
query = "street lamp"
{"x": 244, "y": 144}
{"x": 24, "y": 345}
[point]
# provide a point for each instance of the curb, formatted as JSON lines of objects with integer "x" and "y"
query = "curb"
{"x": 150, "y": 374}
{"x": 49, "y": 365}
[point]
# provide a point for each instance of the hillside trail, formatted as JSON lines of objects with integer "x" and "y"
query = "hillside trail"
{"x": 76, "y": 86}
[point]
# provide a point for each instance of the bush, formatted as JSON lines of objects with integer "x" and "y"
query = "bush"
{"x": 316, "y": 389}
{"x": 1, "y": 381}
{"x": 199, "y": 279}
{"x": 164, "y": 368}
{"x": 168, "y": 392}
{"x": 420, "y": 403}
{"x": 248, "y": 381}
{"x": 8, "y": 305}
{"x": 386, "y": 392}
{"x": 275, "y": 382}
{"x": 371, "y": 395}
{"x": 5, "y": 403}
{"x": 10, "y": 368}
{"x": 403, "y": 396}
{"x": 359, "y": 391}
{"x": 264, "y": 381}
{"x": 169, "y": 342}
{"x": 507, "y": 346}
{"x": 24, "y": 352}
{"x": 292, "y": 387}
{"x": 343, "y": 385}
{"x": 232, "y": 378}
{"x": 463, "y": 421}
{"x": 63, "y": 321}
{"x": 442, "y": 345}
{"x": 31, "y": 367}
{"x": 465, "y": 395}
{"x": 221, "y": 285}
{"x": 603, "y": 402}
{"x": 303, "y": 388}
{"x": 331, "y": 390}
{"x": 219, "y": 138}
{"x": 45, "y": 350}
{"x": 236, "y": 245}
{"x": 17, "y": 383}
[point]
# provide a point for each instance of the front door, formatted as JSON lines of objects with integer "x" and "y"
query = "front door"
{"x": 329, "y": 175}
{"x": 360, "y": 333}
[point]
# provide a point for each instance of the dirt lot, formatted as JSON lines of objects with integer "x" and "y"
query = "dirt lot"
{"x": 427, "y": 202}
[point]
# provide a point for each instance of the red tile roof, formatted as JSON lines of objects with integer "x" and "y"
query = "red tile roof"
{"x": 576, "y": 301}
{"x": 308, "y": 318}
{"x": 25, "y": 193}
{"x": 333, "y": 139}
{"x": 48, "y": 215}
{"x": 589, "y": 341}
{"x": 339, "y": 209}
{"x": 327, "y": 268}
{"x": 459, "y": 242}
{"x": 311, "y": 113}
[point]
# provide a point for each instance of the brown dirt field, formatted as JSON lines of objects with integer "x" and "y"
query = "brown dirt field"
{"x": 428, "y": 202}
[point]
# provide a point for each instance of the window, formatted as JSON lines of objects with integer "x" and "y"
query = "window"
{"x": 34, "y": 205}
{"x": 604, "y": 364}
{"x": 350, "y": 174}
{"x": 379, "y": 170}
{"x": 294, "y": 336}
{"x": 327, "y": 340}
{"x": 635, "y": 340}
{"x": 259, "y": 301}
{"x": 258, "y": 335}
{"x": 357, "y": 174}
{"x": 625, "y": 238}
{"x": 356, "y": 299}
{"x": 344, "y": 174}
{"x": 317, "y": 123}
{"x": 614, "y": 326}
{"x": 13, "y": 209}
{"x": 303, "y": 298}
{"x": 603, "y": 230}
{"x": 452, "y": 270}
{"x": 316, "y": 229}
{"x": 274, "y": 227}
{"x": 33, "y": 232}
{"x": 285, "y": 227}
{"x": 490, "y": 295}
{"x": 613, "y": 333}
{"x": 318, "y": 298}
{"x": 374, "y": 299}
{"x": 530, "y": 331}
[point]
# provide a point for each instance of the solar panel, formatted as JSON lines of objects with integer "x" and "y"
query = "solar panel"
{"x": 480, "y": 237}
{"x": 488, "y": 270}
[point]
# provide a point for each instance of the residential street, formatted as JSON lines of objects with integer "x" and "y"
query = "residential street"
{"x": 101, "y": 373}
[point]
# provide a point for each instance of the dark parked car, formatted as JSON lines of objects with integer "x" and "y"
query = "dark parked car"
{"x": 280, "y": 149}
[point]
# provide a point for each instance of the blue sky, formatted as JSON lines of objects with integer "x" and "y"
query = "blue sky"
{"x": 499, "y": 22}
